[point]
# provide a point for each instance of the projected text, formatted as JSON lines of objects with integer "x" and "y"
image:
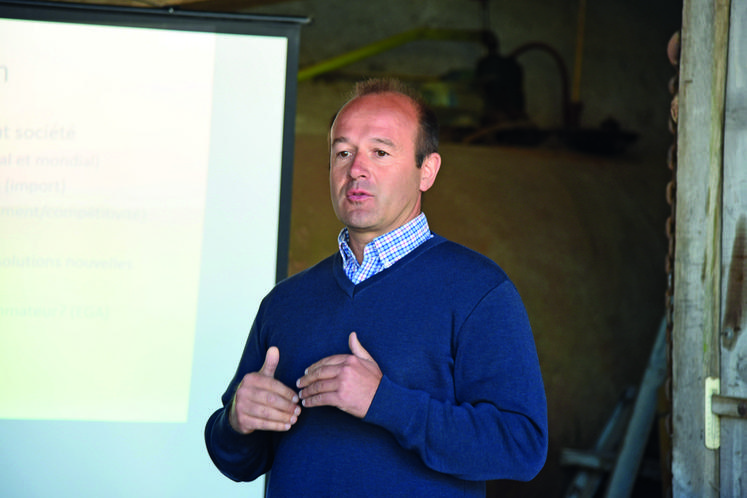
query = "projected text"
{"x": 102, "y": 195}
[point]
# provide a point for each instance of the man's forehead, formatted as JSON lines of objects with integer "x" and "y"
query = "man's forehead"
{"x": 388, "y": 100}
{"x": 383, "y": 140}
{"x": 381, "y": 115}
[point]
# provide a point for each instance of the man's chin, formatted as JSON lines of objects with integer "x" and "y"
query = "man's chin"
{"x": 357, "y": 219}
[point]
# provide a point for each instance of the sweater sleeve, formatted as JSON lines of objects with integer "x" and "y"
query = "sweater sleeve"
{"x": 497, "y": 426}
{"x": 238, "y": 456}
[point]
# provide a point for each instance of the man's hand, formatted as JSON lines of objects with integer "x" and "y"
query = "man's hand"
{"x": 346, "y": 381}
{"x": 263, "y": 403}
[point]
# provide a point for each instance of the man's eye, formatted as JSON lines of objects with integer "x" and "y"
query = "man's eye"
{"x": 343, "y": 154}
{"x": 382, "y": 153}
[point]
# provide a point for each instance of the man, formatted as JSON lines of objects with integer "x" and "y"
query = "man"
{"x": 403, "y": 365}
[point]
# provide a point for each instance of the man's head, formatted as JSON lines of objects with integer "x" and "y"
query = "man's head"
{"x": 427, "y": 140}
{"x": 381, "y": 161}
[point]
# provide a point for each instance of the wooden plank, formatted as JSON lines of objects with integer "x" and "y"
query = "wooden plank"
{"x": 206, "y": 5}
{"x": 128, "y": 3}
{"x": 225, "y": 5}
{"x": 697, "y": 282}
{"x": 734, "y": 288}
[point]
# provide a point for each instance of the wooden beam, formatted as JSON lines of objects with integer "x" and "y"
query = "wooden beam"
{"x": 733, "y": 465}
{"x": 203, "y": 5}
{"x": 225, "y": 5}
{"x": 697, "y": 276}
{"x": 126, "y": 3}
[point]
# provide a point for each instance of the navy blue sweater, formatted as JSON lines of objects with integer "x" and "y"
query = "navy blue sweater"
{"x": 461, "y": 400}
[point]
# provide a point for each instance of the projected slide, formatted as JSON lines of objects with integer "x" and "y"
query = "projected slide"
{"x": 145, "y": 165}
{"x": 104, "y": 146}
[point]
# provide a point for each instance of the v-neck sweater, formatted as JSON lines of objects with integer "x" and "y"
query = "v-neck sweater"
{"x": 461, "y": 399}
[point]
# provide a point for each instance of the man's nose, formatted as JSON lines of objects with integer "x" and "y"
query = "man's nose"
{"x": 359, "y": 167}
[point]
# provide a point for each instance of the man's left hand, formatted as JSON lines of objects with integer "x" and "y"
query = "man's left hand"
{"x": 345, "y": 381}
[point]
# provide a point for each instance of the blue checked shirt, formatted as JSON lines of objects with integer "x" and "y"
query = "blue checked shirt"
{"x": 383, "y": 251}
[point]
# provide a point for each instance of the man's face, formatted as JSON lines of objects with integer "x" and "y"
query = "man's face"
{"x": 374, "y": 182}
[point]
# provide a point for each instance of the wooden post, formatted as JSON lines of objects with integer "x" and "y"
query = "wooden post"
{"x": 734, "y": 287}
{"x": 697, "y": 280}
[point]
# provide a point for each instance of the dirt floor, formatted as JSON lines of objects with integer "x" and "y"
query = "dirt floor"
{"x": 581, "y": 236}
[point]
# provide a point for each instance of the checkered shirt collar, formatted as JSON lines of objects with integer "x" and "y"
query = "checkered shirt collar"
{"x": 383, "y": 251}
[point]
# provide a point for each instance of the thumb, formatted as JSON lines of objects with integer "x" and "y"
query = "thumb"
{"x": 357, "y": 349}
{"x": 272, "y": 358}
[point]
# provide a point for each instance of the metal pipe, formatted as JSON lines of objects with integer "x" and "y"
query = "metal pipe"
{"x": 630, "y": 456}
{"x": 477, "y": 36}
{"x": 570, "y": 118}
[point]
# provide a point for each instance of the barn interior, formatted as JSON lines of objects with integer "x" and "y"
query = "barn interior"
{"x": 555, "y": 137}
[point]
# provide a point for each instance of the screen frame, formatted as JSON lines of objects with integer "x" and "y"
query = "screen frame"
{"x": 65, "y": 431}
{"x": 172, "y": 18}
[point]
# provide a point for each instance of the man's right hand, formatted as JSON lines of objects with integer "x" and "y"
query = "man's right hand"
{"x": 262, "y": 402}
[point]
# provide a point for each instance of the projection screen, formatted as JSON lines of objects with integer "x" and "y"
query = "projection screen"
{"x": 145, "y": 169}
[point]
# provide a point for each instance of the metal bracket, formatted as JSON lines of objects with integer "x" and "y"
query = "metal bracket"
{"x": 727, "y": 406}
{"x": 717, "y": 406}
{"x": 712, "y": 421}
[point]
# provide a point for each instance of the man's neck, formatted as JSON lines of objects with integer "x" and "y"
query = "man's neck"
{"x": 358, "y": 244}
{"x": 358, "y": 240}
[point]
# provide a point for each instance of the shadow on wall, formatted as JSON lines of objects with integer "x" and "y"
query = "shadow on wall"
{"x": 583, "y": 239}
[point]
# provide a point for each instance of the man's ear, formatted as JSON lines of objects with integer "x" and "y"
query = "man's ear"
{"x": 429, "y": 170}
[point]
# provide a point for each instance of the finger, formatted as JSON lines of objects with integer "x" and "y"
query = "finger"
{"x": 357, "y": 349}
{"x": 337, "y": 359}
{"x": 264, "y": 425}
{"x": 326, "y": 398}
{"x": 266, "y": 418}
{"x": 272, "y": 358}
{"x": 272, "y": 414}
{"x": 259, "y": 388}
{"x": 263, "y": 403}
{"x": 318, "y": 373}
{"x": 318, "y": 388}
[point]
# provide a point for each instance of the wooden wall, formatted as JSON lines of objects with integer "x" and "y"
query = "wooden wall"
{"x": 711, "y": 239}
